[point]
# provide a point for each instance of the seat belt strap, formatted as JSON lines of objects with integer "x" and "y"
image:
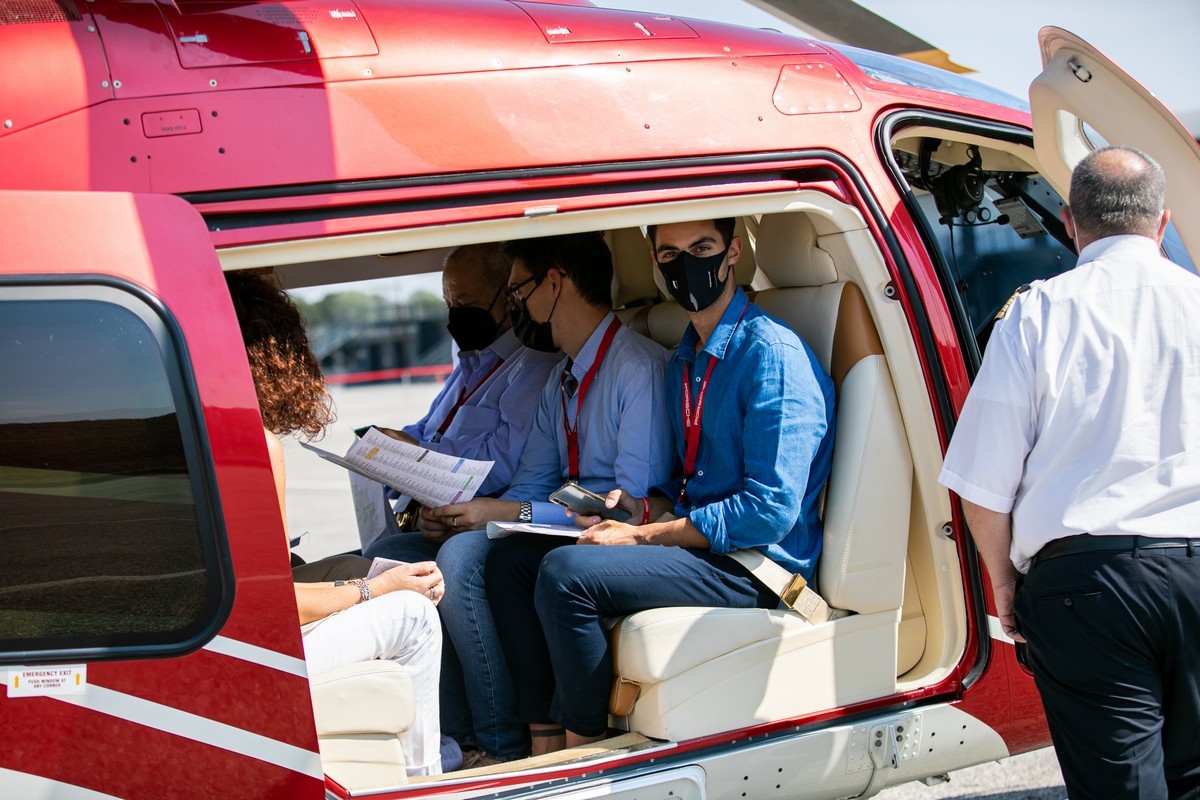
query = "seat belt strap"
{"x": 793, "y": 589}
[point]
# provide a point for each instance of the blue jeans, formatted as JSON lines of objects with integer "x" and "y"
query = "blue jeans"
{"x": 550, "y": 598}
{"x": 478, "y": 697}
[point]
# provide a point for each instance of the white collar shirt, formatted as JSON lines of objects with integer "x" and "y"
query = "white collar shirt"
{"x": 1085, "y": 416}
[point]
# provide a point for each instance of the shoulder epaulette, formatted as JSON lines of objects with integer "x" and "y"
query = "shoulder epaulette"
{"x": 1008, "y": 303}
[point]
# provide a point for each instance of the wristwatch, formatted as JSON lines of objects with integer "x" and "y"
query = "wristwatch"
{"x": 526, "y": 513}
{"x": 364, "y": 588}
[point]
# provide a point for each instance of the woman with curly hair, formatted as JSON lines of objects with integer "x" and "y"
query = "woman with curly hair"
{"x": 390, "y": 616}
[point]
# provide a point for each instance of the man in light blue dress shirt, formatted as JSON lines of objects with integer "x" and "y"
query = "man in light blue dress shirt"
{"x": 485, "y": 409}
{"x": 751, "y": 410}
{"x": 597, "y": 421}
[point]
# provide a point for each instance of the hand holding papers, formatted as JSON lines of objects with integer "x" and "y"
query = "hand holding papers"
{"x": 432, "y": 479}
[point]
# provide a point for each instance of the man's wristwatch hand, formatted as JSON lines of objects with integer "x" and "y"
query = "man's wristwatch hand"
{"x": 526, "y": 512}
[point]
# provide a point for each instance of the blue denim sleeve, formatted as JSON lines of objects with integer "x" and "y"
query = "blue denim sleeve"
{"x": 782, "y": 429}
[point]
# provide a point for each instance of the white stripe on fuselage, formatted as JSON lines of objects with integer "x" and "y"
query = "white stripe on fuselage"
{"x": 257, "y": 655}
{"x": 197, "y": 728}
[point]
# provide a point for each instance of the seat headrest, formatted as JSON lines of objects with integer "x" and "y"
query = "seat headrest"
{"x": 787, "y": 252}
{"x": 633, "y": 267}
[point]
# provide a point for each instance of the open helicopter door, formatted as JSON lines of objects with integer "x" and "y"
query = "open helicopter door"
{"x": 1080, "y": 86}
{"x": 133, "y": 473}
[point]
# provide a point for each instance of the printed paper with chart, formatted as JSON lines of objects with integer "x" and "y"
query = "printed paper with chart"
{"x": 432, "y": 479}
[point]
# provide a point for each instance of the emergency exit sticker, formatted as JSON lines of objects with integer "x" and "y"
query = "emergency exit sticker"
{"x": 42, "y": 681}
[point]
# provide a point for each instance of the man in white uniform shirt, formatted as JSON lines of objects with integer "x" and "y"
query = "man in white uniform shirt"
{"x": 1077, "y": 457}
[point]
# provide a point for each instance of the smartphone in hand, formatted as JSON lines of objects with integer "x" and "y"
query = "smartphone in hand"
{"x": 586, "y": 503}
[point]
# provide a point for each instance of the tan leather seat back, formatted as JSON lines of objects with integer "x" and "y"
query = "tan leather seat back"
{"x": 862, "y": 563}
{"x": 633, "y": 268}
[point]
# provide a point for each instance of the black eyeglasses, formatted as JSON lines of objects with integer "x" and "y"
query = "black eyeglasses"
{"x": 510, "y": 294}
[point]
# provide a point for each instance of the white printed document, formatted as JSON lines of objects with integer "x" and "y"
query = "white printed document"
{"x": 432, "y": 479}
{"x": 498, "y": 530}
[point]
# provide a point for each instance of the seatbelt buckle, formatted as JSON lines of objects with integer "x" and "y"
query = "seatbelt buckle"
{"x": 804, "y": 601}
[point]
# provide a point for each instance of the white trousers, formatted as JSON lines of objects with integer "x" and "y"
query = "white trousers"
{"x": 402, "y": 627}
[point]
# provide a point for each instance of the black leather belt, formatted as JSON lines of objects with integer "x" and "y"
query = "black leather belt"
{"x": 1086, "y": 543}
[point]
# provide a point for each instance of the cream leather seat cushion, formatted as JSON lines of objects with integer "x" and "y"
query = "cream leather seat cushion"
{"x": 360, "y": 711}
{"x": 663, "y": 642}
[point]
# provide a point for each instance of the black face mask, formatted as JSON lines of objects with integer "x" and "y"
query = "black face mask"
{"x": 534, "y": 335}
{"x": 473, "y": 328}
{"x": 692, "y": 280}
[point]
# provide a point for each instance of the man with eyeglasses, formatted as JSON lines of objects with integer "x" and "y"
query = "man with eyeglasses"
{"x": 484, "y": 410}
{"x": 597, "y": 422}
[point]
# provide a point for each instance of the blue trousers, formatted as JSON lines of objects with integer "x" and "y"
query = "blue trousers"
{"x": 477, "y": 695}
{"x": 550, "y": 598}
{"x": 1114, "y": 644}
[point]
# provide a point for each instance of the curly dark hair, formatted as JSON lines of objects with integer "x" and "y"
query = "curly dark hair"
{"x": 288, "y": 380}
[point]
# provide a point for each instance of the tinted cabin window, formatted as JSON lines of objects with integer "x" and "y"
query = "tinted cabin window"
{"x": 103, "y": 547}
{"x": 988, "y": 261}
{"x": 1010, "y": 237}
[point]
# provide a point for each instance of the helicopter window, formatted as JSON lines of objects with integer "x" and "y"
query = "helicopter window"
{"x": 994, "y": 231}
{"x": 107, "y": 551}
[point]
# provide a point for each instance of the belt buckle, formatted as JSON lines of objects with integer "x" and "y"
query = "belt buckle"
{"x": 791, "y": 592}
{"x": 409, "y": 520}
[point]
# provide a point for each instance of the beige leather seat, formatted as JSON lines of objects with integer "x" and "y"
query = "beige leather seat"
{"x": 360, "y": 711}
{"x": 704, "y": 670}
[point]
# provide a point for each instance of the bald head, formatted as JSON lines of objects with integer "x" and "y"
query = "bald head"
{"x": 484, "y": 264}
{"x": 1117, "y": 191}
{"x": 473, "y": 274}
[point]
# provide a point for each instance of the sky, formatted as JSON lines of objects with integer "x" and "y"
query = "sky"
{"x": 1156, "y": 41}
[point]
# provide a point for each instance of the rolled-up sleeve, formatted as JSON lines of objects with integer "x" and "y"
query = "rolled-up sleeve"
{"x": 540, "y": 465}
{"x": 784, "y": 424}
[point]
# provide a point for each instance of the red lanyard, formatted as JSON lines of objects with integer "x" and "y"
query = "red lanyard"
{"x": 572, "y": 431}
{"x": 691, "y": 421}
{"x": 464, "y": 396}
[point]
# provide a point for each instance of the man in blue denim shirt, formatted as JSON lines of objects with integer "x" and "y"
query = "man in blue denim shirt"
{"x": 752, "y": 415}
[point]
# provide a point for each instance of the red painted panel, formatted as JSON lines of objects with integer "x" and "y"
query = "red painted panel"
{"x": 267, "y": 701}
{"x": 814, "y": 87}
{"x": 209, "y": 34}
{"x": 47, "y": 737}
{"x": 70, "y": 51}
{"x": 577, "y": 24}
{"x": 128, "y": 236}
{"x": 171, "y": 123}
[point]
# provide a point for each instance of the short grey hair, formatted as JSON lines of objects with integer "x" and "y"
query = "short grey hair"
{"x": 1117, "y": 190}
{"x": 494, "y": 265}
